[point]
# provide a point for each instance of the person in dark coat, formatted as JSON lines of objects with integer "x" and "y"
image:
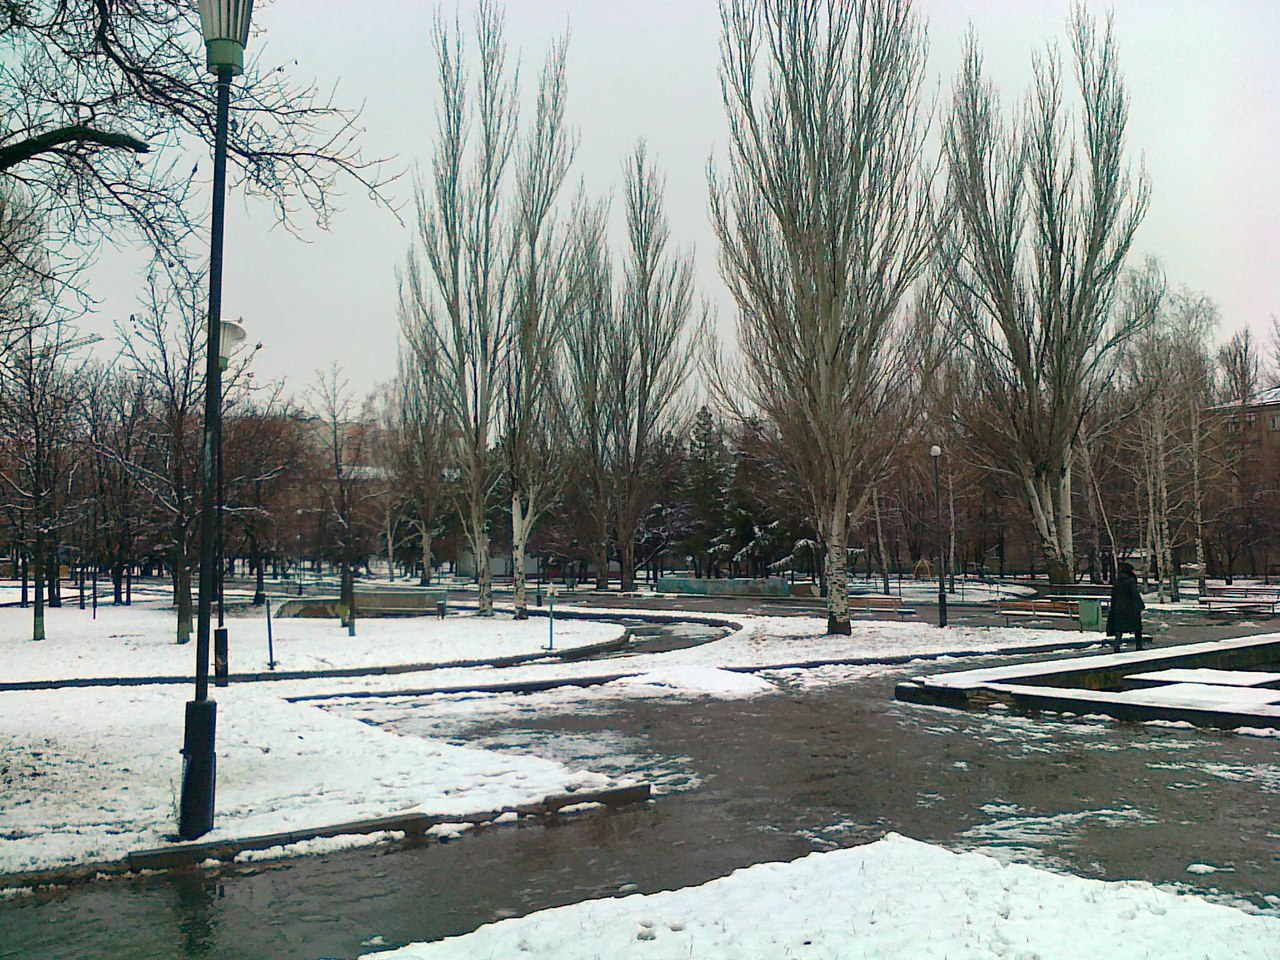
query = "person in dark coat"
{"x": 1125, "y": 615}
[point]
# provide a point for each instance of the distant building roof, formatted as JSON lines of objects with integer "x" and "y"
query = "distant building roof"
{"x": 1263, "y": 398}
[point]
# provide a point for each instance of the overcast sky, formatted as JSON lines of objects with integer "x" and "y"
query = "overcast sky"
{"x": 1204, "y": 79}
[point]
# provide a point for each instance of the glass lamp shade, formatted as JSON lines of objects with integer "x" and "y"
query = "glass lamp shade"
{"x": 225, "y": 24}
{"x": 232, "y": 336}
{"x": 935, "y": 451}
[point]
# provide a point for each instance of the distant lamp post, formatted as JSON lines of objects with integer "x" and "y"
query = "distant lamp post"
{"x": 225, "y": 25}
{"x": 229, "y": 339}
{"x": 936, "y": 452}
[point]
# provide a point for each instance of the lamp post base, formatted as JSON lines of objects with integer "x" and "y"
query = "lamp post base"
{"x": 199, "y": 770}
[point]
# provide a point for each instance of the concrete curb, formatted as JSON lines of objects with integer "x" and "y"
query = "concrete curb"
{"x": 413, "y": 825}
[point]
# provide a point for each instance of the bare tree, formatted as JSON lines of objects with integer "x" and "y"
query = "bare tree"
{"x": 825, "y": 223}
{"x": 39, "y": 442}
{"x": 588, "y": 385}
{"x": 165, "y": 346}
{"x": 650, "y": 358}
{"x": 1043, "y": 213}
{"x": 534, "y": 331}
{"x": 1238, "y": 507}
{"x": 421, "y": 431}
{"x": 119, "y": 409}
{"x": 457, "y": 281}
{"x": 345, "y": 487}
{"x": 98, "y": 101}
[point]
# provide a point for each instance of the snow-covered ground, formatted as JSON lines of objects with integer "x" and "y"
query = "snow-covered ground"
{"x": 138, "y": 641}
{"x": 889, "y": 899}
{"x": 93, "y": 774}
{"x": 762, "y": 642}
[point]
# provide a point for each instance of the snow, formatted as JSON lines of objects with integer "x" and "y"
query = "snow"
{"x": 761, "y": 644}
{"x": 94, "y": 773}
{"x": 1225, "y": 678}
{"x": 318, "y": 845}
{"x": 893, "y": 898}
{"x": 692, "y": 681}
{"x": 138, "y": 641}
{"x": 968, "y": 679}
{"x": 1202, "y": 697}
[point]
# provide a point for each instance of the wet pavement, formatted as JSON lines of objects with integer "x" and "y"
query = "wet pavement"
{"x": 739, "y": 782}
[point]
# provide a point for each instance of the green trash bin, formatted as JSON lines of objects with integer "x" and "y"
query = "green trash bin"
{"x": 1090, "y": 614}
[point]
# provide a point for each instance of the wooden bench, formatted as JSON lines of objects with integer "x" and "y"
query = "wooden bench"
{"x": 1242, "y": 598}
{"x": 1038, "y": 608}
{"x": 880, "y": 604}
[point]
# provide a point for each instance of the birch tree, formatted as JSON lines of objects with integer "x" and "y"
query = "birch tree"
{"x": 825, "y": 224}
{"x": 1043, "y": 213}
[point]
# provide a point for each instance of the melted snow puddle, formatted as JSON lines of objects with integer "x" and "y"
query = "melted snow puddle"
{"x": 1014, "y": 835}
{"x": 526, "y": 727}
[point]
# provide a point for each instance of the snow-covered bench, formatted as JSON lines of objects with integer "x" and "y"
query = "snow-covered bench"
{"x": 1038, "y": 608}
{"x": 879, "y": 604}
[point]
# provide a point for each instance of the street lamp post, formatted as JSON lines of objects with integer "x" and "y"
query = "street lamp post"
{"x": 225, "y": 25}
{"x": 936, "y": 452}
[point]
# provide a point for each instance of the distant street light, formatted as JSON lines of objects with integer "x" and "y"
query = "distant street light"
{"x": 231, "y": 336}
{"x": 225, "y": 25}
{"x": 936, "y": 452}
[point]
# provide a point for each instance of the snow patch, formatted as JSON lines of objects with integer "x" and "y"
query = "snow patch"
{"x": 872, "y": 901}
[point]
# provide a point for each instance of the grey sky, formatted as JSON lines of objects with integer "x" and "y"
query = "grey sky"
{"x": 1205, "y": 117}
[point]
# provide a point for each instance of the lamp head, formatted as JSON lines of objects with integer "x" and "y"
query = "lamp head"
{"x": 935, "y": 451}
{"x": 232, "y": 336}
{"x": 225, "y": 25}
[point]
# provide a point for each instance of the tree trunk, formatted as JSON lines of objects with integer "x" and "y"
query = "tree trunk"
{"x": 520, "y": 524}
{"x": 1197, "y": 504}
{"x": 37, "y": 576}
{"x": 1053, "y": 522}
{"x": 602, "y": 564}
{"x": 484, "y": 576}
{"x": 425, "y": 532}
{"x": 391, "y": 549}
{"x": 626, "y": 560}
{"x": 182, "y": 584}
{"x": 837, "y": 574}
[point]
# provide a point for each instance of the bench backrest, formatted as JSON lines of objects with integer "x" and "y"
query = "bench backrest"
{"x": 1047, "y": 606}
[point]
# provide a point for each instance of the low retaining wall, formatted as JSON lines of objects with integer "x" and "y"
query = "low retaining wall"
{"x": 1087, "y": 684}
{"x": 695, "y": 587}
{"x": 413, "y": 825}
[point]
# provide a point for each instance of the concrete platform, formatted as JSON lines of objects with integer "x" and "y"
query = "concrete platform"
{"x": 1181, "y": 683}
